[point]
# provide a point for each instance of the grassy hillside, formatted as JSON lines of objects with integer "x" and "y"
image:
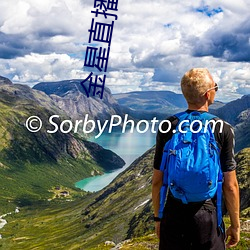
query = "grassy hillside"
{"x": 86, "y": 222}
{"x": 243, "y": 175}
{"x": 121, "y": 211}
{"x": 54, "y": 225}
{"x": 32, "y": 163}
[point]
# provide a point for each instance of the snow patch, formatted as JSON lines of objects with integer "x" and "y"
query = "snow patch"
{"x": 2, "y": 223}
{"x": 142, "y": 204}
{"x": 143, "y": 186}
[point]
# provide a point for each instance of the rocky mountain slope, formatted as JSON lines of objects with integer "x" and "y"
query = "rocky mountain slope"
{"x": 31, "y": 163}
{"x": 242, "y": 130}
{"x": 232, "y": 110}
{"x": 70, "y": 96}
{"x": 237, "y": 114}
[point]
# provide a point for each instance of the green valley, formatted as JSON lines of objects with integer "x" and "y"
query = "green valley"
{"x": 120, "y": 212}
{"x": 32, "y": 163}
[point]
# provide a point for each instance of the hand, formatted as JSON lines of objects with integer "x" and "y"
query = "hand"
{"x": 233, "y": 236}
{"x": 157, "y": 228}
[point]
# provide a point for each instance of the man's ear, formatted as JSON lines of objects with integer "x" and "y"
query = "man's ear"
{"x": 207, "y": 95}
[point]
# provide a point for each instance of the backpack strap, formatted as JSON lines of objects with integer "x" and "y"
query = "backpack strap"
{"x": 182, "y": 115}
{"x": 164, "y": 169}
{"x": 219, "y": 200}
{"x": 163, "y": 194}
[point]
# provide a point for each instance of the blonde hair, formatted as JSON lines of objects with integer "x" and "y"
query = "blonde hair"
{"x": 195, "y": 83}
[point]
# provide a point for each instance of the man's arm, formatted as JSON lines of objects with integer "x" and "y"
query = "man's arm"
{"x": 156, "y": 187}
{"x": 157, "y": 178}
{"x": 231, "y": 195}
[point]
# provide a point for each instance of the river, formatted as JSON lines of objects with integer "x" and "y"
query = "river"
{"x": 128, "y": 146}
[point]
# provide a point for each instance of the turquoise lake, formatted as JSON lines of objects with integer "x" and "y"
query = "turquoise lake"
{"x": 129, "y": 146}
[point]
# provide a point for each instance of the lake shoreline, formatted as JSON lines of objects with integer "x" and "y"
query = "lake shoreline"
{"x": 129, "y": 146}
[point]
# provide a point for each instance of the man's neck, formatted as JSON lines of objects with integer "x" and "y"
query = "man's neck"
{"x": 198, "y": 107}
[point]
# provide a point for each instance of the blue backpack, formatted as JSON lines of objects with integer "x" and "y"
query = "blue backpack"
{"x": 191, "y": 162}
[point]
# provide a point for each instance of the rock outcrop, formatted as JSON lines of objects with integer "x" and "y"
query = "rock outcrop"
{"x": 70, "y": 97}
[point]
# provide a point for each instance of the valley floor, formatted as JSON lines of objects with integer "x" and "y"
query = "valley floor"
{"x": 57, "y": 225}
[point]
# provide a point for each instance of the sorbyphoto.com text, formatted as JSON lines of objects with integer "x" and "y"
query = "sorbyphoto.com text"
{"x": 87, "y": 126}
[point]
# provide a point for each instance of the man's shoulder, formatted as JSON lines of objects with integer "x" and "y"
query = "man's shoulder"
{"x": 227, "y": 127}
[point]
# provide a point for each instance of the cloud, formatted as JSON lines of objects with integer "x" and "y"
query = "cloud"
{"x": 154, "y": 42}
{"x": 231, "y": 45}
{"x": 42, "y": 27}
{"x": 34, "y": 68}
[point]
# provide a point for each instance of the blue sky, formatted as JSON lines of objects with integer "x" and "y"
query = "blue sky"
{"x": 154, "y": 43}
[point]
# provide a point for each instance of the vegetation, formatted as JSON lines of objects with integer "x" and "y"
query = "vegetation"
{"x": 36, "y": 170}
{"x": 32, "y": 163}
{"x": 118, "y": 213}
{"x": 57, "y": 225}
{"x": 243, "y": 175}
{"x": 49, "y": 225}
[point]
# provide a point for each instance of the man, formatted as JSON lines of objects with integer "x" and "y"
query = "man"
{"x": 194, "y": 225}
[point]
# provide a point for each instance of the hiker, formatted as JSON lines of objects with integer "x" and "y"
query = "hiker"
{"x": 188, "y": 224}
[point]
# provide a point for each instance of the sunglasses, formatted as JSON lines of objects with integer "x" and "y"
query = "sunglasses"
{"x": 216, "y": 87}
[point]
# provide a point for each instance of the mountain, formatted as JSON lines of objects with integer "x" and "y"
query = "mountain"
{"x": 70, "y": 96}
{"x": 32, "y": 163}
{"x": 232, "y": 110}
{"x": 242, "y": 130}
{"x": 243, "y": 175}
{"x": 237, "y": 114}
{"x": 122, "y": 210}
{"x": 216, "y": 105}
{"x": 4, "y": 80}
{"x": 149, "y": 104}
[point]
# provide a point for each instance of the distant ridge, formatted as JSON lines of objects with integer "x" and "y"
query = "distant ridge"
{"x": 151, "y": 100}
{"x": 4, "y": 80}
{"x": 148, "y": 104}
